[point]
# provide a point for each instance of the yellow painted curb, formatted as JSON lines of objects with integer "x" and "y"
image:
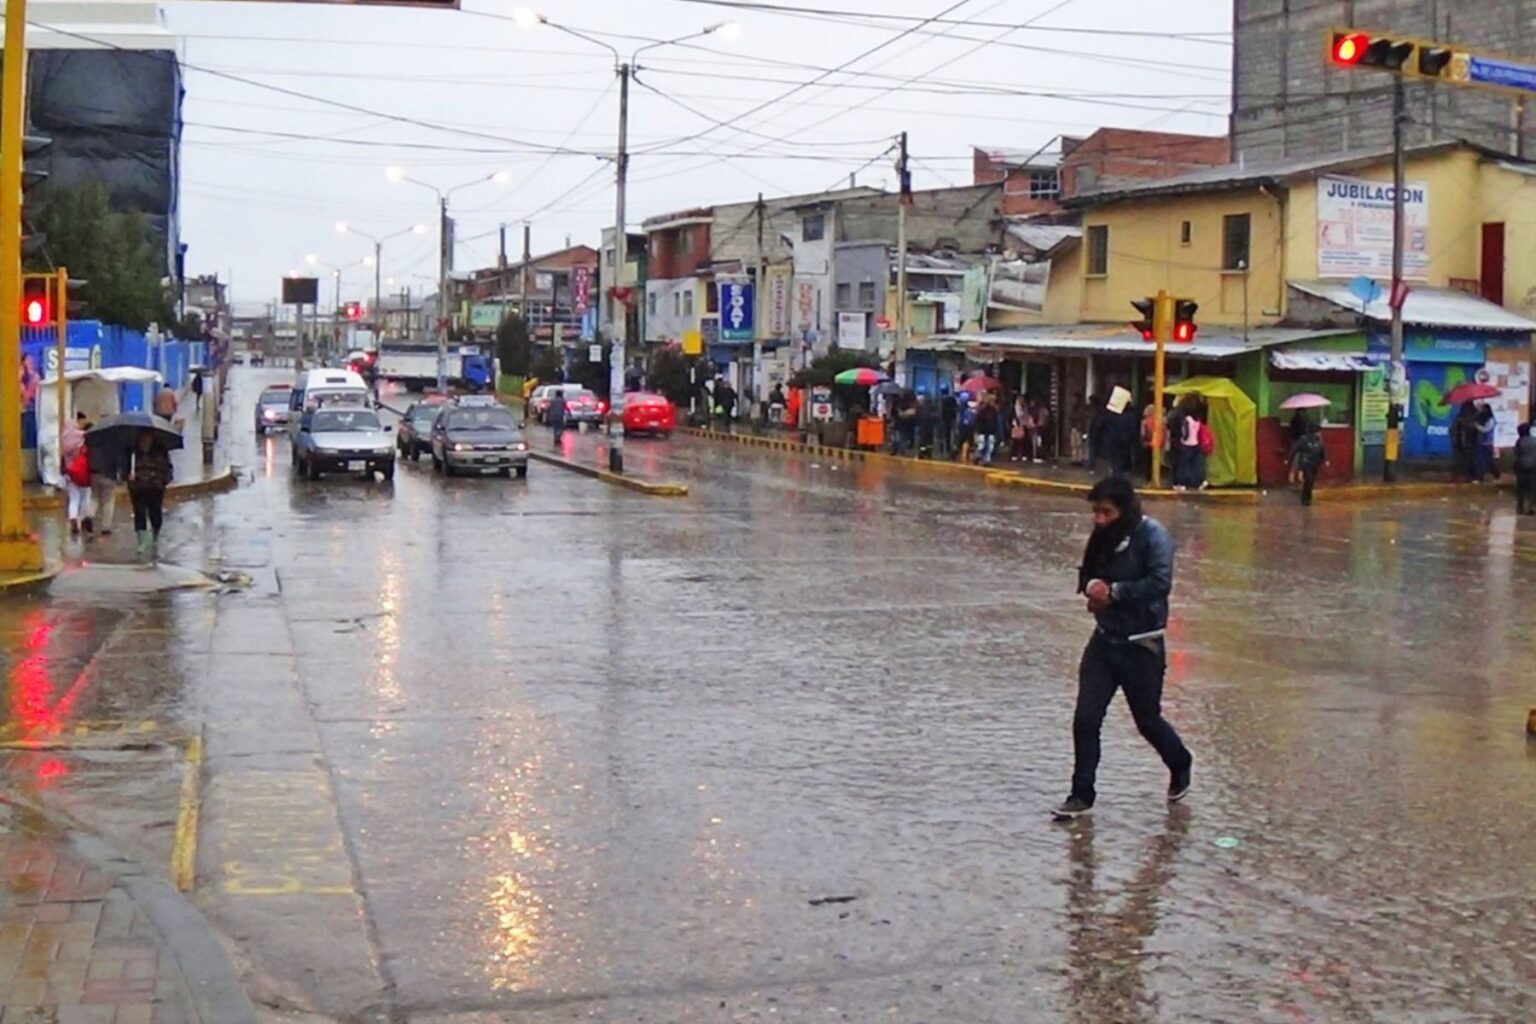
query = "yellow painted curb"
{"x": 184, "y": 849}
{"x": 27, "y": 582}
{"x": 1366, "y": 492}
{"x": 1233, "y": 497}
{"x": 655, "y": 490}
{"x": 225, "y": 481}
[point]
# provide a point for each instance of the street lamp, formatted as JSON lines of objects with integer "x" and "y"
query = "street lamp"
{"x": 343, "y": 228}
{"x": 314, "y": 260}
{"x": 397, "y": 175}
{"x": 527, "y": 17}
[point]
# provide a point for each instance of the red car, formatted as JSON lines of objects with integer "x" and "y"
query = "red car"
{"x": 648, "y": 414}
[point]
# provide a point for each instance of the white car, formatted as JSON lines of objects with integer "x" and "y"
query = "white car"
{"x": 343, "y": 438}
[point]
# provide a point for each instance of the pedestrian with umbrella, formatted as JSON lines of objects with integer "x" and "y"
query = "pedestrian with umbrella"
{"x": 146, "y": 442}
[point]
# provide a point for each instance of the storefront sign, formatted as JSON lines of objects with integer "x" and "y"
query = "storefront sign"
{"x": 581, "y": 288}
{"x": 778, "y": 303}
{"x": 1354, "y": 228}
{"x": 736, "y": 312}
{"x": 1019, "y": 286}
{"x": 851, "y": 331}
{"x": 486, "y": 317}
{"x": 806, "y": 305}
{"x": 821, "y": 403}
{"x": 1374, "y": 405}
{"x": 693, "y": 343}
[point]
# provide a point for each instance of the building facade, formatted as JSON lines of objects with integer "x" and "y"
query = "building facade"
{"x": 1289, "y": 102}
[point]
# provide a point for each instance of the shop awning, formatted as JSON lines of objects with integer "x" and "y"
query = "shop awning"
{"x": 1214, "y": 342}
{"x": 1333, "y": 362}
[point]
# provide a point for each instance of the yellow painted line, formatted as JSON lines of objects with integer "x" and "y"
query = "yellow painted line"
{"x": 184, "y": 849}
{"x": 655, "y": 490}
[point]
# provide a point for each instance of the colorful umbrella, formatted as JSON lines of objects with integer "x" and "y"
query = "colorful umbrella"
{"x": 1470, "y": 392}
{"x": 979, "y": 384}
{"x": 1306, "y": 400}
{"x": 860, "y": 376}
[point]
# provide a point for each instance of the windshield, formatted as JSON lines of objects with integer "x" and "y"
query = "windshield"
{"x": 425, "y": 416}
{"x": 480, "y": 419}
{"x": 275, "y": 397}
{"x": 331, "y": 421}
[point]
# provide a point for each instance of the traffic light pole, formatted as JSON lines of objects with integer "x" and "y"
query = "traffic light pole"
{"x": 618, "y": 357}
{"x": 61, "y": 343}
{"x": 19, "y": 550}
{"x": 1397, "y": 376}
{"x": 1162, "y": 330}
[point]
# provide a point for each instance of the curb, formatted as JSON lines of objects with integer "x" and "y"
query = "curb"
{"x": 212, "y": 984}
{"x": 639, "y": 486}
{"x": 1438, "y": 489}
{"x": 29, "y": 582}
{"x": 991, "y": 476}
{"x": 221, "y": 482}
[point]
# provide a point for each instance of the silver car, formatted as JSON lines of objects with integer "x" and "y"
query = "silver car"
{"x": 272, "y": 408}
{"x": 478, "y": 439}
{"x": 343, "y": 439}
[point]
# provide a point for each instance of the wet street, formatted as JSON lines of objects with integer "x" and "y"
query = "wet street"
{"x": 484, "y": 750}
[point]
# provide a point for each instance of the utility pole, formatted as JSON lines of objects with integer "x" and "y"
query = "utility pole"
{"x": 378, "y": 296}
{"x": 444, "y": 246}
{"x": 621, "y": 246}
{"x": 758, "y": 293}
{"x": 1397, "y": 377}
{"x": 1162, "y": 330}
{"x": 527, "y": 258}
{"x": 19, "y": 550}
{"x": 904, "y": 176}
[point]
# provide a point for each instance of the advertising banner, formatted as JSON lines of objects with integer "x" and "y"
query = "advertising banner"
{"x": 1354, "y": 228}
{"x": 1019, "y": 286}
{"x": 736, "y": 311}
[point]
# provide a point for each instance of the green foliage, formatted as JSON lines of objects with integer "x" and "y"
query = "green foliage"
{"x": 824, "y": 368}
{"x": 514, "y": 345}
{"x": 545, "y": 365}
{"x": 669, "y": 375}
{"x": 590, "y": 375}
{"x": 111, "y": 250}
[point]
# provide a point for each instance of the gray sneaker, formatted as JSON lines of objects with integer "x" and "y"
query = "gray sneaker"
{"x": 1071, "y": 807}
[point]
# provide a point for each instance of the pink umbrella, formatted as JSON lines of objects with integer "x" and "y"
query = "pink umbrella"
{"x": 1306, "y": 400}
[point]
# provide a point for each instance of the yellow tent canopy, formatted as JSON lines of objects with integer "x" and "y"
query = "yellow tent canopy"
{"x": 1234, "y": 421}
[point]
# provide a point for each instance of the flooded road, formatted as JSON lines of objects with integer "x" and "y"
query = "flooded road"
{"x": 483, "y": 750}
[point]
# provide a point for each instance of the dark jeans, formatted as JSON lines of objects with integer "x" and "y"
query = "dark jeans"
{"x": 1486, "y": 465}
{"x": 1308, "y": 483}
{"x": 1136, "y": 668}
{"x": 148, "y": 509}
{"x": 1191, "y": 468}
{"x": 1525, "y": 490}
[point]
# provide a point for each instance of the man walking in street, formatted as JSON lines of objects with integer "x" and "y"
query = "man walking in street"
{"x": 1126, "y": 575}
{"x": 1525, "y": 472}
{"x": 197, "y": 388}
{"x": 1307, "y": 456}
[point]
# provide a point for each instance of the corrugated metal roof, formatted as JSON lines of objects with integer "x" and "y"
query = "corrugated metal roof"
{"x": 1210, "y": 343}
{"x": 1340, "y": 362}
{"x": 1044, "y": 237}
{"x": 1426, "y": 307}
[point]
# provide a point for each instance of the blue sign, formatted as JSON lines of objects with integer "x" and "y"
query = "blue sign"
{"x": 1460, "y": 348}
{"x": 736, "y": 311}
{"x": 1501, "y": 73}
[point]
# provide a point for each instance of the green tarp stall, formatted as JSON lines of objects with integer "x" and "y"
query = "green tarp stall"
{"x": 1234, "y": 421}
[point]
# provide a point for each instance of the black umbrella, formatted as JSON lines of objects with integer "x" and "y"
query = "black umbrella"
{"x": 123, "y": 429}
{"x": 890, "y": 387}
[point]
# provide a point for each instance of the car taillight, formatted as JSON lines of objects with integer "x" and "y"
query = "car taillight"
{"x": 602, "y": 407}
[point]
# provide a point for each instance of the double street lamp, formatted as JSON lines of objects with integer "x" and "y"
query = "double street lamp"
{"x": 444, "y": 252}
{"x": 625, "y": 69}
{"x": 343, "y": 228}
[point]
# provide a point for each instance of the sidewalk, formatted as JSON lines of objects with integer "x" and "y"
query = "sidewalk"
{"x": 193, "y": 479}
{"x": 87, "y": 937}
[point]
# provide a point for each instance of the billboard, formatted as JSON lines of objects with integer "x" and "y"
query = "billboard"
{"x": 1354, "y": 228}
{"x": 1019, "y": 286}
{"x": 301, "y": 291}
{"x": 736, "y": 311}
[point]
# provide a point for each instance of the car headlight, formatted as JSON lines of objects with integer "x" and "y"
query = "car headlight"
{"x": 461, "y": 447}
{"x": 521, "y": 446}
{"x": 383, "y": 451}
{"x": 269, "y": 415}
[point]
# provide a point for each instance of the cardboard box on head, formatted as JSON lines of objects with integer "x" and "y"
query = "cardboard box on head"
{"x": 1118, "y": 400}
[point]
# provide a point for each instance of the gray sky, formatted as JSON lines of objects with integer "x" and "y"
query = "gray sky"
{"x": 254, "y": 201}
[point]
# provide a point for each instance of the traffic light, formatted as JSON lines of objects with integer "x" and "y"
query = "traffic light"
{"x": 1147, "y": 325}
{"x": 32, "y": 175}
{"x": 1361, "y": 50}
{"x": 1184, "y": 326}
{"x": 36, "y": 300}
{"x": 1433, "y": 60}
{"x": 352, "y": 310}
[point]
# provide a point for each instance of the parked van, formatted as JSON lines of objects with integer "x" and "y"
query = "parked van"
{"x": 315, "y": 388}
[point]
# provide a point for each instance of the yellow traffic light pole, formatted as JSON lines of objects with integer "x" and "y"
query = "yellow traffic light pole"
{"x": 19, "y": 550}
{"x": 1162, "y": 332}
{"x": 60, "y": 289}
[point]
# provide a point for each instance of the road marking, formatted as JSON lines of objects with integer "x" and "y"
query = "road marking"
{"x": 184, "y": 849}
{"x": 276, "y": 834}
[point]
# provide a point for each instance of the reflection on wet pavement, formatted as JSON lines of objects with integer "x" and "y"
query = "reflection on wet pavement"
{"x": 594, "y": 755}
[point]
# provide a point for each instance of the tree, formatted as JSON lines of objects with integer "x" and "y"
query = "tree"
{"x": 514, "y": 346}
{"x": 590, "y": 375}
{"x": 111, "y": 250}
{"x": 670, "y": 375}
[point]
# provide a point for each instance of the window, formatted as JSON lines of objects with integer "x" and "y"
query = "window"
{"x": 1186, "y": 233}
{"x": 1098, "y": 250}
{"x": 712, "y": 298}
{"x": 1044, "y": 185}
{"x": 813, "y": 227}
{"x": 688, "y": 303}
{"x": 677, "y": 304}
{"x": 1235, "y": 230}
{"x": 844, "y": 296}
{"x": 684, "y": 242}
{"x": 650, "y": 304}
{"x": 867, "y": 295}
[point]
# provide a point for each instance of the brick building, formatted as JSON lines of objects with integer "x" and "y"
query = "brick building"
{"x": 1038, "y": 181}
{"x": 1289, "y": 102}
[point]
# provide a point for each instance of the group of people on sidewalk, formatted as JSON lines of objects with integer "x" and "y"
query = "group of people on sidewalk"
{"x": 92, "y": 469}
{"x": 1115, "y": 435}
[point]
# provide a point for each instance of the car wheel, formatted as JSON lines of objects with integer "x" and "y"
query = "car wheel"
{"x": 522, "y": 472}
{"x": 387, "y": 471}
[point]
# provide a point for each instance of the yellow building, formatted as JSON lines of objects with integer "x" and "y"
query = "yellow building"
{"x": 1281, "y": 259}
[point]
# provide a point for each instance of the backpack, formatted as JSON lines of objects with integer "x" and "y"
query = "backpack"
{"x": 1310, "y": 453}
{"x": 78, "y": 469}
{"x": 1207, "y": 440}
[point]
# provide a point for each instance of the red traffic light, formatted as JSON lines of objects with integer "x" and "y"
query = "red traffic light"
{"x": 353, "y": 310}
{"x": 36, "y": 302}
{"x": 1184, "y": 332}
{"x": 36, "y": 312}
{"x": 1349, "y": 48}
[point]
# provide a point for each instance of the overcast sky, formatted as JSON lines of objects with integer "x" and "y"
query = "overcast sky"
{"x": 491, "y": 95}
